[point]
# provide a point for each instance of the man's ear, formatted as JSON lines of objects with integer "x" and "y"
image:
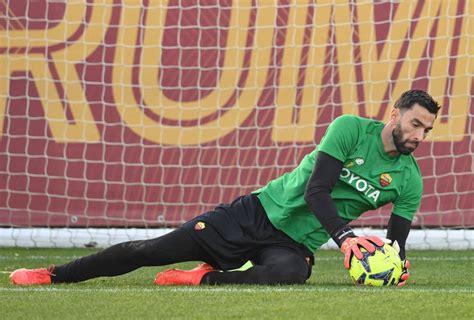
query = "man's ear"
{"x": 395, "y": 115}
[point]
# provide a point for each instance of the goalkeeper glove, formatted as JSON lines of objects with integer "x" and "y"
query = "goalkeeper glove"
{"x": 405, "y": 264}
{"x": 405, "y": 273}
{"x": 350, "y": 247}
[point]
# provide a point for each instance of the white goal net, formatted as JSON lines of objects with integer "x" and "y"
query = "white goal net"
{"x": 122, "y": 119}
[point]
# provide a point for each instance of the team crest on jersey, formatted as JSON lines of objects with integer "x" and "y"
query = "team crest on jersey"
{"x": 360, "y": 161}
{"x": 385, "y": 179}
{"x": 199, "y": 226}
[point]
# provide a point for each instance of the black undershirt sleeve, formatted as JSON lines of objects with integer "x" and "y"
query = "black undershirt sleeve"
{"x": 318, "y": 196}
{"x": 398, "y": 229}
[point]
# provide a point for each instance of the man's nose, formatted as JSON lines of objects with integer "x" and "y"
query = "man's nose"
{"x": 419, "y": 135}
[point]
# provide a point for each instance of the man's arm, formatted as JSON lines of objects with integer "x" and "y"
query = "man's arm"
{"x": 398, "y": 230}
{"x": 404, "y": 209}
{"x": 318, "y": 196}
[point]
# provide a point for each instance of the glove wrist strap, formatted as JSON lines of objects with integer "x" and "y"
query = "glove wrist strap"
{"x": 342, "y": 234}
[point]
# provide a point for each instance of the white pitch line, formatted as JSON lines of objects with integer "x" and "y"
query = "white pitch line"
{"x": 232, "y": 290}
{"x": 462, "y": 258}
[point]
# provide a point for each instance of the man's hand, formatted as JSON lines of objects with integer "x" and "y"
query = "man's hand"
{"x": 405, "y": 273}
{"x": 406, "y": 265}
{"x": 350, "y": 247}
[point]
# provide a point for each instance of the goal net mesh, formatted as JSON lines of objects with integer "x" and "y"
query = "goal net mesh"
{"x": 144, "y": 114}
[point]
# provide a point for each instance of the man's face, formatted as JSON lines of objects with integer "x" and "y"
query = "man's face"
{"x": 412, "y": 127}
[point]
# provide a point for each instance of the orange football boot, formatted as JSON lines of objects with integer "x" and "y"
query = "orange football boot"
{"x": 177, "y": 277}
{"x": 25, "y": 277}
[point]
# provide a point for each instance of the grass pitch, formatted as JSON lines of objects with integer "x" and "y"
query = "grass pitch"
{"x": 441, "y": 286}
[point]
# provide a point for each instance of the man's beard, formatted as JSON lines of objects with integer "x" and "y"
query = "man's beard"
{"x": 401, "y": 145}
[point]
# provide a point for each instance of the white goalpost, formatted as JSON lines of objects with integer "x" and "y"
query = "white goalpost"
{"x": 430, "y": 239}
{"x": 122, "y": 121}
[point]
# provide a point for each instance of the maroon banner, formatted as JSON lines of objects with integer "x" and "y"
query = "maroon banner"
{"x": 147, "y": 114}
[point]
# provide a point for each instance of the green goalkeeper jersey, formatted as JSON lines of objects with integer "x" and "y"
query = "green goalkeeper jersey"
{"x": 369, "y": 179}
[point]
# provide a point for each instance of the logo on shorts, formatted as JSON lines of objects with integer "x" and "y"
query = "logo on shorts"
{"x": 385, "y": 179}
{"x": 199, "y": 226}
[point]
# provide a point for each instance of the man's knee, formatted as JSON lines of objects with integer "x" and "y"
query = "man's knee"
{"x": 289, "y": 273}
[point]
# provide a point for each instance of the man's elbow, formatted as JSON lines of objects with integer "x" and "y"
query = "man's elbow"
{"x": 313, "y": 192}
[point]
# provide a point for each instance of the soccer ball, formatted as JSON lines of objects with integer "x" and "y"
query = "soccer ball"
{"x": 381, "y": 268}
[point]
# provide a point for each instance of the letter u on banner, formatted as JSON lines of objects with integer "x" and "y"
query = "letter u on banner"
{"x": 151, "y": 95}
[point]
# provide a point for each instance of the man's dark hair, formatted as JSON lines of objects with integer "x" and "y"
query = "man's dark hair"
{"x": 411, "y": 97}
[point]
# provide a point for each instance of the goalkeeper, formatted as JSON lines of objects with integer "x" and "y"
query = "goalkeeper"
{"x": 360, "y": 165}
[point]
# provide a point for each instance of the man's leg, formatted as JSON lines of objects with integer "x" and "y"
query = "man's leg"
{"x": 273, "y": 265}
{"x": 176, "y": 246}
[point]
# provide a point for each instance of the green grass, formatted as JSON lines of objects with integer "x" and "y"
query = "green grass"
{"x": 441, "y": 286}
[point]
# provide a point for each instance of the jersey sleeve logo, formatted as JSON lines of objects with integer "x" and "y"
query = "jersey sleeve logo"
{"x": 358, "y": 161}
{"x": 199, "y": 226}
{"x": 385, "y": 179}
